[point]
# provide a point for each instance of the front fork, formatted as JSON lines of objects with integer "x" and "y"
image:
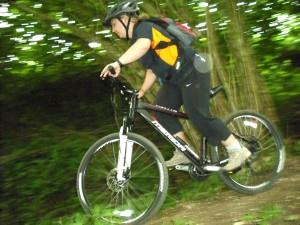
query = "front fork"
{"x": 124, "y": 156}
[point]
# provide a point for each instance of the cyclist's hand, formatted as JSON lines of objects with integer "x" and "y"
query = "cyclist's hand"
{"x": 107, "y": 72}
{"x": 141, "y": 93}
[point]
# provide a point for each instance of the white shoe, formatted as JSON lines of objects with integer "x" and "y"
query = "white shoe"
{"x": 236, "y": 159}
{"x": 178, "y": 158}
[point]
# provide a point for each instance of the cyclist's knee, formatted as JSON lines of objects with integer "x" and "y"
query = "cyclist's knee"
{"x": 171, "y": 124}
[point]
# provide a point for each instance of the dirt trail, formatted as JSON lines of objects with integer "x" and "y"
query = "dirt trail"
{"x": 230, "y": 208}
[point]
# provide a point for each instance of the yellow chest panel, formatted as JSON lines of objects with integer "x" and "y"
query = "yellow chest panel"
{"x": 168, "y": 54}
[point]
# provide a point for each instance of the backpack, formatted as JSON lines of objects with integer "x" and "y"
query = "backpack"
{"x": 182, "y": 34}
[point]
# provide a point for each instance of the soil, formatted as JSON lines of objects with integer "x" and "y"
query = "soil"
{"x": 231, "y": 208}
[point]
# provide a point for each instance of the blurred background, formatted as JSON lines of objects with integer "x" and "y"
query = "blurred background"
{"x": 54, "y": 106}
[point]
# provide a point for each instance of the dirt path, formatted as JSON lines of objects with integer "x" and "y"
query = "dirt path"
{"x": 231, "y": 208}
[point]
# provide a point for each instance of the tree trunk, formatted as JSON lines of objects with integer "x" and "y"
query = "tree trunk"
{"x": 248, "y": 89}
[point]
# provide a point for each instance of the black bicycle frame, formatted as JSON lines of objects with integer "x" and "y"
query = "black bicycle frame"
{"x": 142, "y": 109}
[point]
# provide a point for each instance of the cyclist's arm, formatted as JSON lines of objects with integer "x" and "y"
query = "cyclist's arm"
{"x": 148, "y": 82}
{"x": 136, "y": 51}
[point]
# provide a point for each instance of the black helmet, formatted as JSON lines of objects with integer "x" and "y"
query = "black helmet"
{"x": 125, "y": 7}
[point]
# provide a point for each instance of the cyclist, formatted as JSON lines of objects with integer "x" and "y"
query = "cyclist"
{"x": 183, "y": 83}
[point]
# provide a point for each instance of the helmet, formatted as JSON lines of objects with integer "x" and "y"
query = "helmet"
{"x": 126, "y": 7}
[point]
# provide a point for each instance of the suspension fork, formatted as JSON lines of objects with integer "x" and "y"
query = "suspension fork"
{"x": 125, "y": 146}
{"x": 125, "y": 153}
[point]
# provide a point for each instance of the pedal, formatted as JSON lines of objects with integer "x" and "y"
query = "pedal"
{"x": 212, "y": 168}
{"x": 184, "y": 168}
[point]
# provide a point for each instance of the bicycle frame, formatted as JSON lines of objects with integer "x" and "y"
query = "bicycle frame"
{"x": 143, "y": 108}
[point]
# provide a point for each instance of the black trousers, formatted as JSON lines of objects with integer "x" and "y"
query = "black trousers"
{"x": 193, "y": 94}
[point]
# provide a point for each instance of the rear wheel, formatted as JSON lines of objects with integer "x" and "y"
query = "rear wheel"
{"x": 132, "y": 201}
{"x": 260, "y": 136}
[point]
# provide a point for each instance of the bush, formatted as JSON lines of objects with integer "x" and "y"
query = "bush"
{"x": 296, "y": 148}
{"x": 40, "y": 175}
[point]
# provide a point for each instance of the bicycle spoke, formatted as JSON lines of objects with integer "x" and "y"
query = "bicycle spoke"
{"x": 239, "y": 126}
{"x": 138, "y": 188}
{"x": 257, "y": 134}
{"x": 100, "y": 196}
{"x": 260, "y": 129}
{"x": 113, "y": 199}
{"x": 268, "y": 147}
{"x": 265, "y": 134}
{"x": 145, "y": 168}
{"x": 115, "y": 157}
{"x": 108, "y": 159}
{"x": 121, "y": 202}
{"x": 132, "y": 202}
{"x": 247, "y": 127}
{"x": 135, "y": 159}
{"x": 135, "y": 190}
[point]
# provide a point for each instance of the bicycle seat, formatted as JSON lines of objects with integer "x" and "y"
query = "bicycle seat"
{"x": 215, "y": 90}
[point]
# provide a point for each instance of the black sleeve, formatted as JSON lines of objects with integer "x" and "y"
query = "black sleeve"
{"x": 143, "y": 30}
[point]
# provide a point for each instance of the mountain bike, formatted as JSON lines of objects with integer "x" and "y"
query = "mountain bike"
{"x": 122, "y": 178}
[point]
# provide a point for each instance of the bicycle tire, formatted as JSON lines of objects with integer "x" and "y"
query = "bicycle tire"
{"x": 143, "y": 150}
{"x": 253, "y": 126}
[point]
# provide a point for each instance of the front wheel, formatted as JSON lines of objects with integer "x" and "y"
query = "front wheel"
{"x": 259, "y": 135}
{"x": 132, "y": 201}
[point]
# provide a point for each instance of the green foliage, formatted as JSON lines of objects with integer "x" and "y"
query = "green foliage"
{"x": 43, "y": 146}
{"x": 191, "y": 191}
{"x": 277, "y": 49}
{"x": 183, "y": 222}
{"x": 41, "y": 171}
{"x": 267, "y": 214}
{"x": 185, "y": 189}
{"x": 296, "y": 148}
{"x": 45, "y": 137}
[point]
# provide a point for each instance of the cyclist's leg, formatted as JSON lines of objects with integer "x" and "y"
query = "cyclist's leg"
{"x": 183, "y": 137}
{"x": 169, "y": 96}
{"x": 197, "y": 108}
{"x": 212, "y": 128}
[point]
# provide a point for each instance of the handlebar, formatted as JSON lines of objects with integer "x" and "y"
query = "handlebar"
{"x": 112, "y": 70}
{"x": 115, "y": 82}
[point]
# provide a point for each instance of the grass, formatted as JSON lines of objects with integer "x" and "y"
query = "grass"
{"x": 296, "y": 148}
{"x": 81, "y": 219}
{"x": 267, "y": 214}
{"x": 183, "y": 189}
{"x": 40, "y": 172}
{"x": 183, "y": 222}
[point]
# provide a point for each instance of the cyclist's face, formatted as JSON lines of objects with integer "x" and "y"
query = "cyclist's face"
{"x": 118, "y": 28}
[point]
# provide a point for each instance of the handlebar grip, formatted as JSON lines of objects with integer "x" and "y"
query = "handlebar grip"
{"x": 112, "y": 70}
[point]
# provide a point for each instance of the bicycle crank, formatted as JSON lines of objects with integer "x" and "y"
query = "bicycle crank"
{"x": 185, "y": 168}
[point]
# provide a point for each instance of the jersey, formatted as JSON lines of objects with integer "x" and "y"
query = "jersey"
{"x": 167, "y": 61}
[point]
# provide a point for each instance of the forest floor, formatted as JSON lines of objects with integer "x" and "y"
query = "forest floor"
{"x": 277, "y": 206}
